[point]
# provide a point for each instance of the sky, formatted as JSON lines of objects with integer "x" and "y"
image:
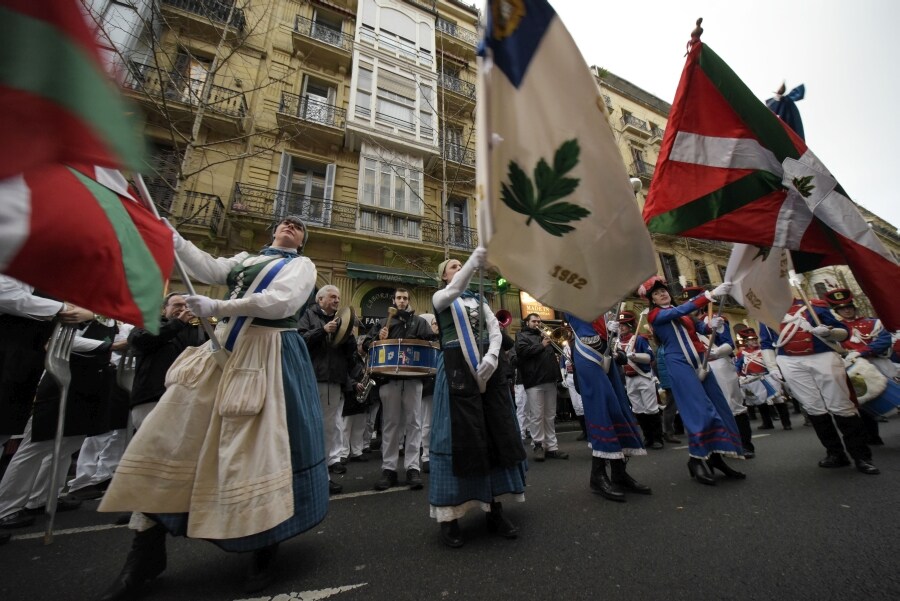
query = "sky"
{"x": 844, "y": 52}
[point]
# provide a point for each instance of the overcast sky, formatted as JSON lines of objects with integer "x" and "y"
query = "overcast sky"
{"x": 845, "y": 52}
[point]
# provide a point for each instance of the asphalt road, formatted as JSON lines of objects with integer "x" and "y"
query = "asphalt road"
{"x": 790, "y": 531}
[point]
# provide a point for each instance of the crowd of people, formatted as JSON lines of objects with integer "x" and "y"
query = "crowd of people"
{"x": 238, "y": 439}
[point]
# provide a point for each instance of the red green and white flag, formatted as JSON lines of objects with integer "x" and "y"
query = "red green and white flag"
{"x": 68, "y": 224}
{"x": 57, "y": 103}
{"x": 80, "y": 235}
{"x": 731, "y": 170}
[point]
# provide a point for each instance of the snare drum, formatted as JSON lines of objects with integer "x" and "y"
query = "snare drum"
{"x": 400, "y": 358}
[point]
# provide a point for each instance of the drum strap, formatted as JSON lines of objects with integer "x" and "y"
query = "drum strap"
{"x": 467, "y": 340}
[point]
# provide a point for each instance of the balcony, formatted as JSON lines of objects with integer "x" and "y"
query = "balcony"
{"x": 200, "y": 211}
{"x": 308, "y": 119}
{"x": 455, "y": 39}
{"x": 261, "y": 206}
{"x": 321, "y": 44}
{"x": 460, "y": 94}
{"x": 636, "y": 126}
{"x": 176, "y": 99}
{"x": 658, "y": 132}
{"x": 608, "y": 101}
{"x": 459, "y": 159}
{"x": 643, "y": 170}
{"x": 207, "y": 19}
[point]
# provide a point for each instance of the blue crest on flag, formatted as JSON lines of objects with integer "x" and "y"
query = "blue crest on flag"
{"x": 514, "y": 32}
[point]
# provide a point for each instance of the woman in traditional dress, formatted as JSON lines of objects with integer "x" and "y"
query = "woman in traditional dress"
{"x": 476, "y": 450}
{"x": 611, "y": 426}
{"x": 707, "y": 418}
{"x": 234, "y": 451}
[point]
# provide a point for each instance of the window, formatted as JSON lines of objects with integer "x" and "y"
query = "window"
{"x": 396, "y": 100}
{"x": 426, "y": 111}
{"x": 326, "y": 27}
{"x": 671, "y": 272}
{"x": 188, "y": 78}
{"x": 318, "y": 100}
{"x": 391, "y": 186}
{"x": 458, "y": 215}
{"x": 305, "y": 189}
{"x": 701, "y": 273}
{"x": 364, "y": 92}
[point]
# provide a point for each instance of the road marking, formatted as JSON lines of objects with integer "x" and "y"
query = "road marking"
{"x": 366, "y": 493}
{"x": 308, "y": 595}
{"x": 69, "y": 531}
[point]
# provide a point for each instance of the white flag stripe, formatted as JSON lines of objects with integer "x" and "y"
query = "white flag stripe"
{"x": 15, "y": 217}
{"x": 727, "y": 153}
{"x": 759, "y": 282}
{"x": 588, "y": 270}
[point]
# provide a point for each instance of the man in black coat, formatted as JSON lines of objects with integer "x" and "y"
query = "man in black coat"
{"x": 538, "y": 365}
{"x": 333, "y": 361}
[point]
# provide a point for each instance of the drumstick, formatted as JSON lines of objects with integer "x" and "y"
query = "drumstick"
{"x": 387, "y": 324}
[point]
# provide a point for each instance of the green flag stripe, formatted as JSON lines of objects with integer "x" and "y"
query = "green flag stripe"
{"x": 717, "y": 204}
{"x": 43, "y": 61}
{"x": 756, "y": 115}
{"x": 142, "y": 274}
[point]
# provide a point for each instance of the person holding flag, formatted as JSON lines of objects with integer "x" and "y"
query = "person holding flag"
{"x": 476, "y": 450}
{"x": 707, "y": 418}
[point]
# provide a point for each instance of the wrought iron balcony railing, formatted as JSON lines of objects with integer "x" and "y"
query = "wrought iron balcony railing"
{"x": 176, "y": 87}
{"x": 632, "y": 121}
{"x": 202, "y": 210}
{"x": 455, "y": 84}
{"x": 658, "y": 132}
{"x": 310, "y": 109}
{"x": 214, "y": 10}
{"x": 643, "y": 169}
{"x": 267, "y": 204}
{"x": 459, "y": 154}
{"x": 323, "y": 33}
{"x": 455, "y": 31}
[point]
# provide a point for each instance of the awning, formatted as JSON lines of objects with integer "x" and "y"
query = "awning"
{"x": 362, "y": 271}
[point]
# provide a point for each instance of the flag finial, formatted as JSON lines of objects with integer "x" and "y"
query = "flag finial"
{"x": 695, "y": 36}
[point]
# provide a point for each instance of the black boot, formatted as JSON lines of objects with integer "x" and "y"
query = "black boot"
{"x": 450, "y": 534}
{"x": 765, "y": 413}
{"x": 621, "y": 478}
{"x": 499, "y": 524}
{"x": 854, "y": 433}
{"x": 583, "y": 435}
{"x": 743, "y": 424}
{"x": 601, "y": 484}
{"x": 784, "y": 415}
{"x": 654, "y": 421}
{"x": 146, "y": 560}
{"x": 751, "y": 411}
{"x": 260, "y": 572}
{"x": 830, "y": 439}
{"x": 870, "y": 423}
{"x": 716, "y": 462}
{"x": 700, "y": 472}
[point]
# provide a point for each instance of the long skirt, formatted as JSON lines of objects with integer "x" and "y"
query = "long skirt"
{"x": 449, "y": 496}
{"x": 611, "y": 426}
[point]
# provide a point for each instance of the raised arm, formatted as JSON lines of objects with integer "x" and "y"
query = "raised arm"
{"x": 204, "y": 266}
{"x": 444, "y": 298}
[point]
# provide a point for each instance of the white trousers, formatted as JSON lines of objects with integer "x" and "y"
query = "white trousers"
{"x": 353, "y": 428}
{"x": 818, "y": 382}
{"x": 642, "y": 394}
{"x": 401, "y": 414}
{"x": 98, "y": 459}
{"x": 522, "y": 412}
{"x": 727, "y": 378}
{"x": 542, "y": 405}
{"x": 427, "y": 414}
{"x": 371, "y": 417}
{"x": 331, "y": 397}
{"x": 27, "y": 480}
{"x": 577, "y": 405}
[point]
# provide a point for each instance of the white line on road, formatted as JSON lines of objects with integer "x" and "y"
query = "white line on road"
{"x": 308, "y": 595}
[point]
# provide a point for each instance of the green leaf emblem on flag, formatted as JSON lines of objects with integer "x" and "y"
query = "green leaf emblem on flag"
{"x": 804, "y": 185}
{"x": 541, "y": 200}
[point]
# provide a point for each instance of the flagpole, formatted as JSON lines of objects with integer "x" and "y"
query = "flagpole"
{"x": 794, "y": 279}
{"x": 148, "y": 202}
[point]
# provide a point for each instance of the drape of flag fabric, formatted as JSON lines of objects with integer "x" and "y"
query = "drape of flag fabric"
{"x": 80, "y": 235}
{"x": 556, "y": 210}
{"x": 730, "y": 170}
{"x": 759, "y": 281}
{"x": 57, "y": 103}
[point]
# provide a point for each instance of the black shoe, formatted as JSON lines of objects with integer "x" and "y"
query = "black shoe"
{"x": 766, "y": 427}
{"x": 556, "y": 455}
{"x": 337, "y": 468}
{"x": 716, "y": 462}
{"x": 88, "y": 493}
{"x": 19, "y": 519}
{"x": 499, "y": 524}
{"x": 426, "y": 467}
{"x": 62, "y": 504}
{"x": 358, "y": 458}
{"x": 834, "y": 461}
{"x": 260, "y": 572}
{"x": 334, "y": 488}
{"x": 700, "y": 472}
{"x": 388, "y": 479}
{"x": 867, "y": 468}
{"x": 539, "y": 453}
{"x": 146, "y": 561}
{"x": 623, "y": 479}
{"x": 749, "y": 454}
{"x": 450, "y": 534}
{"x": 413, "y": 479}
{"x": 655, "y": 445}
{"x": 601, "y": 484}
{"x": 670, "y": 438}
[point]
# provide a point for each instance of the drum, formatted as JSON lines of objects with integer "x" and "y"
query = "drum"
{"x": 876, "y": 394}
{"x": 398, "y": 358}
